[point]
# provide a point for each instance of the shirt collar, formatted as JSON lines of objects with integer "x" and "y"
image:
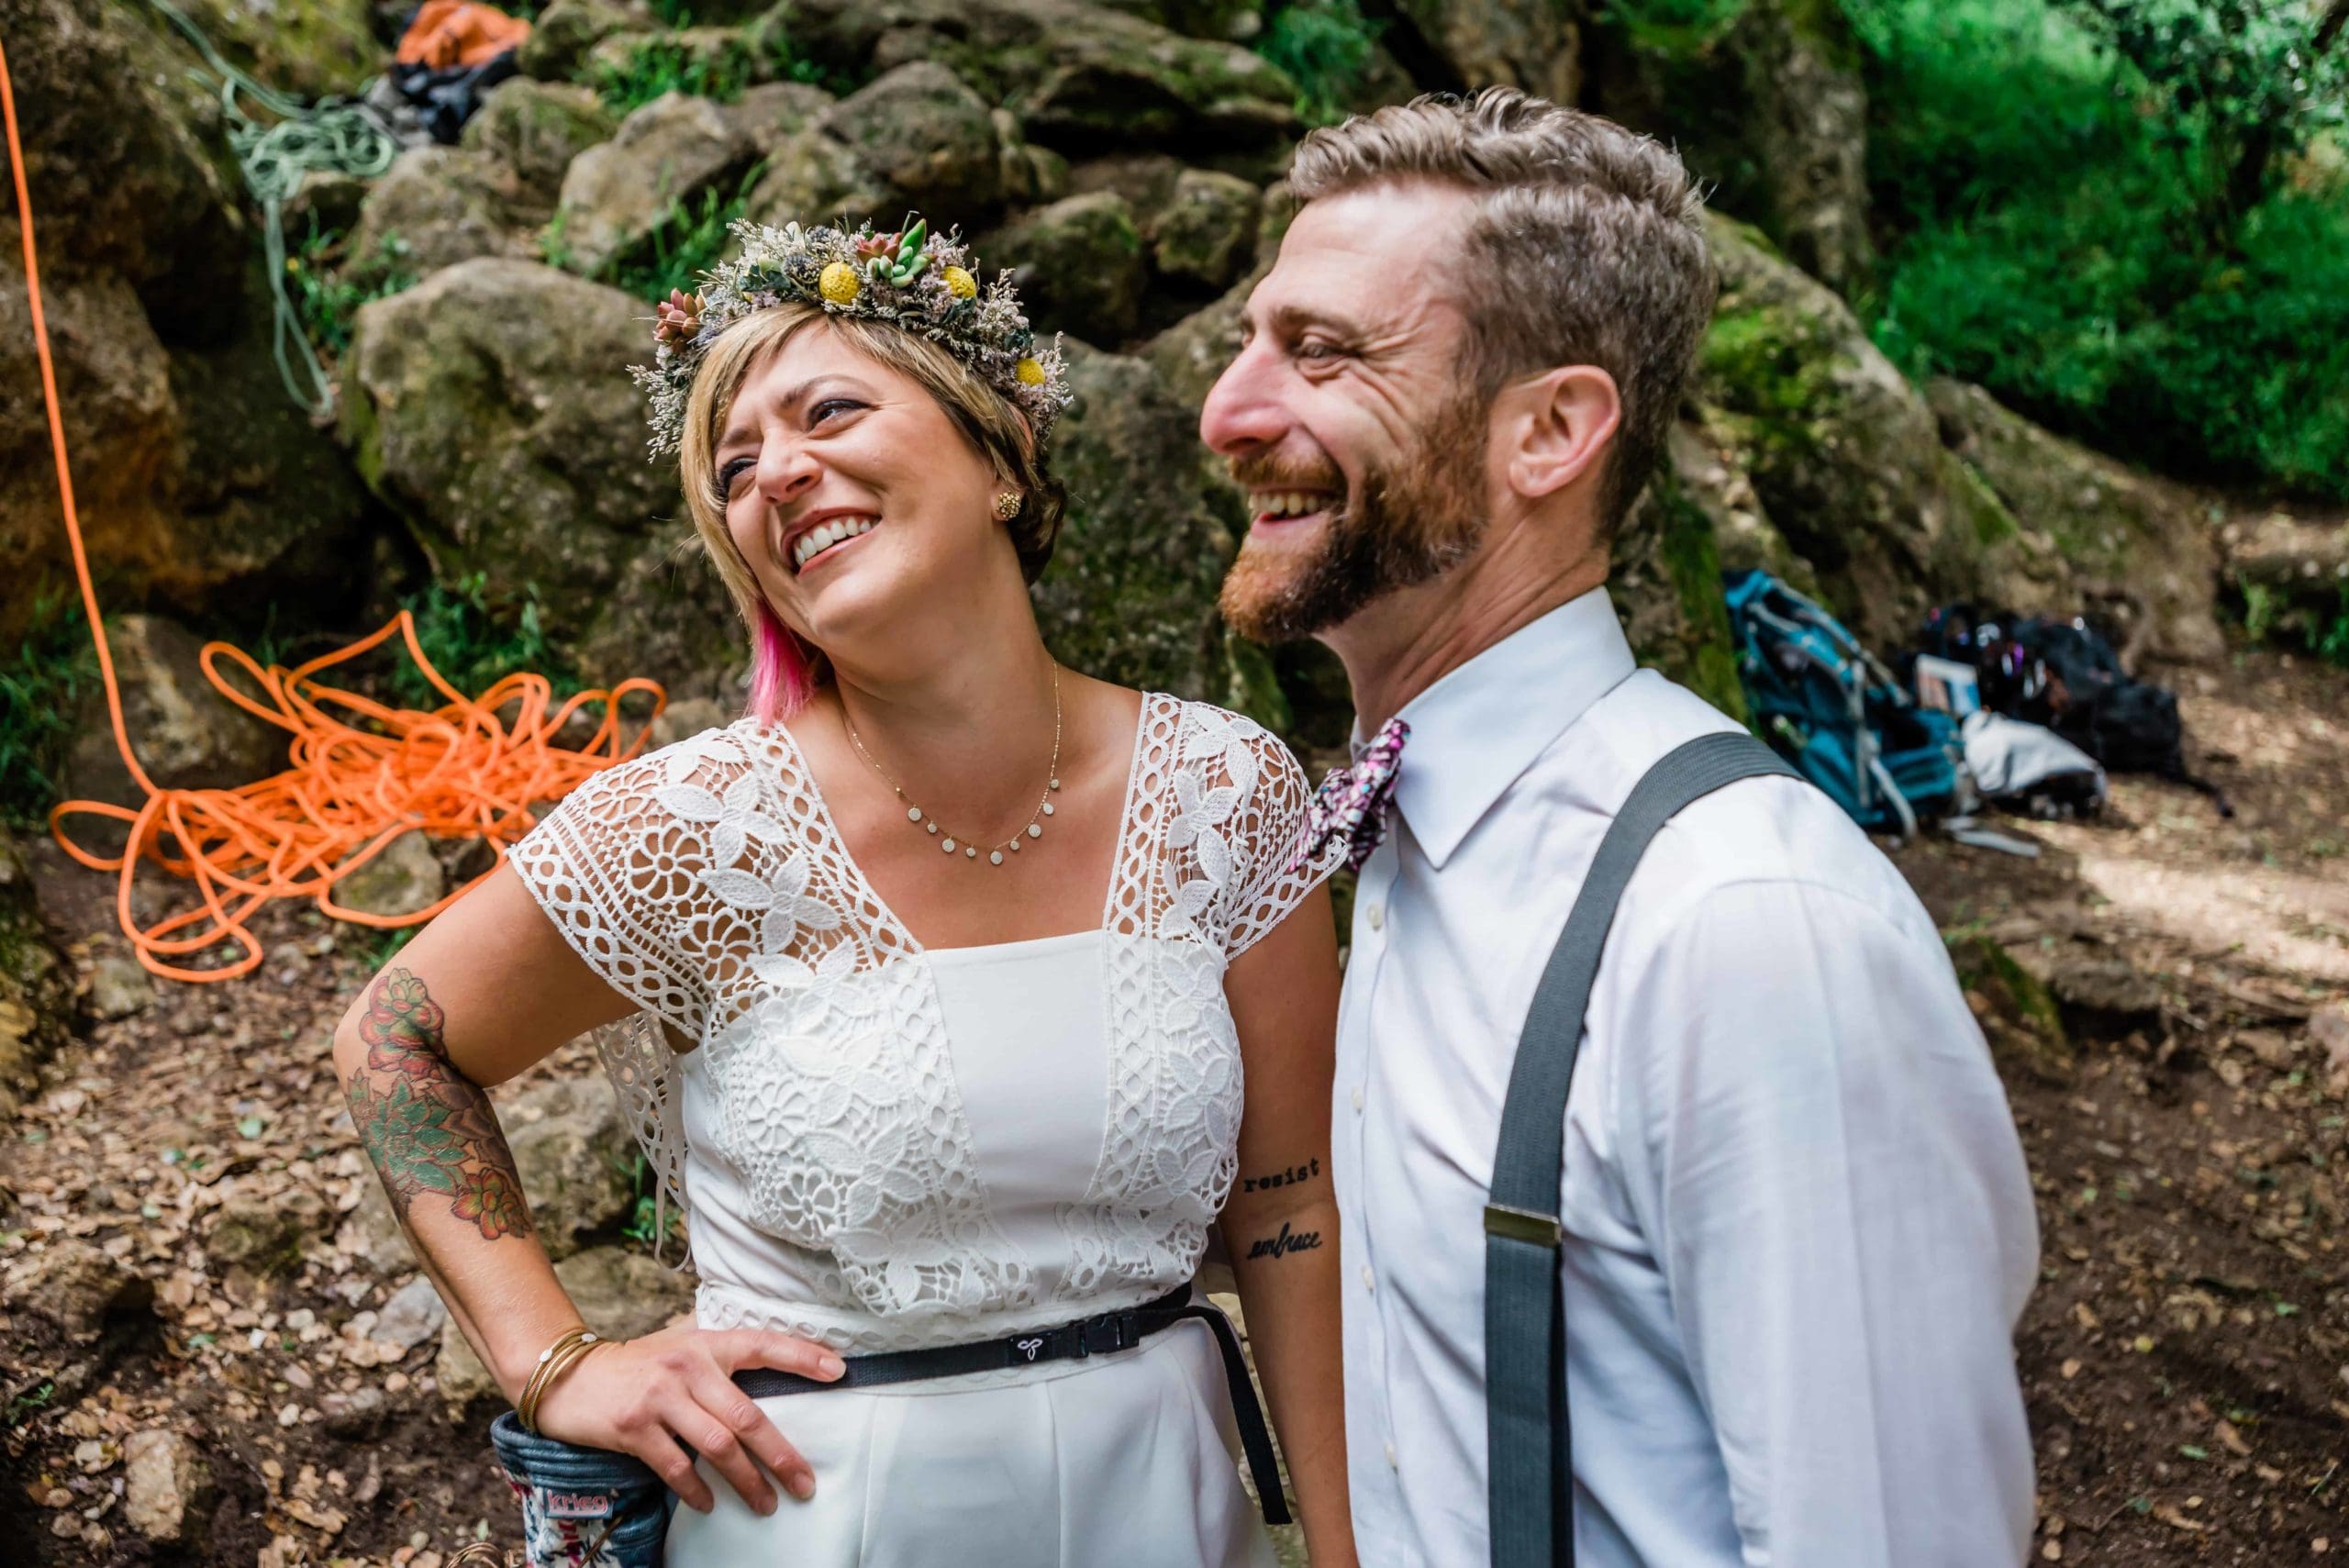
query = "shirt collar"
{"x": 1480, "y": 727}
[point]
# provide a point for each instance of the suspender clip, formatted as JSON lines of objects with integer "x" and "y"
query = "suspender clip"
{"x": 1524, "y": 1225}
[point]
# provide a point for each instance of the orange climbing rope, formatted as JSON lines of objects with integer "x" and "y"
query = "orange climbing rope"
{"x": 358, "y": 781}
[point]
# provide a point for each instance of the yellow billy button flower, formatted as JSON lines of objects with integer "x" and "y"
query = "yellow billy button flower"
{"x": 1030, "y": 373}
{"x": 960, "y": 283}
{"x": 839, "y": 283}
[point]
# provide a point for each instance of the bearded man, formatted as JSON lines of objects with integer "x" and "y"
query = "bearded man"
{"x": 1787, "y": 1221}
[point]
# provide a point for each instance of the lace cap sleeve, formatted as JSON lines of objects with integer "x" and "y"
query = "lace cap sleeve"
{"x": 619, "y": 869}
{"x": 1275, "y": 870}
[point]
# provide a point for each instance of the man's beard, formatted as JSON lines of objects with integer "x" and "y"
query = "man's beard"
{"x": 1418, "y": 516}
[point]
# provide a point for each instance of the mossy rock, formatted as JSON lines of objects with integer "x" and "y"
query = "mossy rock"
{"x": 1667, "y": 585}
{"x": 567, "y": 32}
{"x": 2020, "y": 1017}
{"x": 1843, "y": 454}
{"x": 1532, "y": 44}
{"x": 619, "y": 193}
{"x": 1130, "y": 593}
{"x": 434, "y": 207}
{"x": 2125, "y": 535}
{"x": 1232, "y": 21}
{"x": 920, "y": 131}
{"x": 307, "y": 48}
{"x": 1079, "y": 265}
{"x": 1765, "y": 101}
{"x": 536, "y": 128}
{"x": 490, "y": 406}
{"x": 811, "y": 177}
{"x": 1206, "y": 234}
{"x": 36, "y": 1004}
{"x": 1078, "y": 76}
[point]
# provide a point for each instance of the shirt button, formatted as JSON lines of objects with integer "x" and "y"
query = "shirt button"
{"x": 1369, "y": 1280}
{"x": 1390, "y": 1456}
{"x": 1376, "y": 916}
{"x": 1357, "y": 1096}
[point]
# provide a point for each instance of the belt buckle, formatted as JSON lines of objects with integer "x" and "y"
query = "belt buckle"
{"x": 1122, "y": 1331}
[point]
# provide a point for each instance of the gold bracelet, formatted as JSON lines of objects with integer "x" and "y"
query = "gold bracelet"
{"x": 557, "y": 1357}
{"x": 562, "y": 1356}
{"x": 577, "y": 1352}
{"x": 557, "y": 1361}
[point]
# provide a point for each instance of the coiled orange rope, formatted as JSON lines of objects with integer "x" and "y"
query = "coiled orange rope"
{"x": 356, "y": 783}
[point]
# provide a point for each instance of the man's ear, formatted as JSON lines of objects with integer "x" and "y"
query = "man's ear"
{"x": 1559, "y": 427}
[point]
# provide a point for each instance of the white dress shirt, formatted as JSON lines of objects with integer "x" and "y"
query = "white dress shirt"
{"x": 1799, "y": 1225}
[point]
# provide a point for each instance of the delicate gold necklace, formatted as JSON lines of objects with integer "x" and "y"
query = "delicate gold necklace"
{"x": 949, "y": 841}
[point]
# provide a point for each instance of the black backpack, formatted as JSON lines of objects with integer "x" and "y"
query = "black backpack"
{"x": 2063, "y": 674}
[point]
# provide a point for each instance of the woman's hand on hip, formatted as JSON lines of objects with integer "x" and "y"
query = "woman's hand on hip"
{"x": 646, "y": 1396}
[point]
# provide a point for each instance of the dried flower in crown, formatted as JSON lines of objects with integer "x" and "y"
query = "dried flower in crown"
{"x": 923, "y": 283}
{"x": 677, "y": 318}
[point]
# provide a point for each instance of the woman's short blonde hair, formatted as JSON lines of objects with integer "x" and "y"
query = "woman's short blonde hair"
{"x": 995, "y": 429}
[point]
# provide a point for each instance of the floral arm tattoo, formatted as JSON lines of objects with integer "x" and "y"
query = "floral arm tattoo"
{"x": 426, "y": 1126}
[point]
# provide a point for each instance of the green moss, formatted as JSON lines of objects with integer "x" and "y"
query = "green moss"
{"x": 1674, "y": 30}
{"x": 41, "y": 685}
{"x": 1255, "y": 688}
{"x": 2019, "y": 1015}
{"x": 1980, "y": 514}
{"x": 1685, "y": 546}
{"x": 1771, "y": 369}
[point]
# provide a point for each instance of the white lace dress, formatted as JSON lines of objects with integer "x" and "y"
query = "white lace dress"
{"x": 884, "y": 1148}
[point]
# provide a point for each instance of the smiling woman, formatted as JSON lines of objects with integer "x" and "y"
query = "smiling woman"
{"x": 964, "y": 986}
{"x": 797, "y": 374}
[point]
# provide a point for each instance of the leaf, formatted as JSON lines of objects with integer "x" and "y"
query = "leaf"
{"x": 688, "y": 803}
{"x": 739, "y": 888}
{"x": 440, "y": 1178}
{"x": 249, "y": 1126}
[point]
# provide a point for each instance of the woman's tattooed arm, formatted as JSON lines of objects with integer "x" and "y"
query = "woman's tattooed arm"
{"x": 1285, "y": 1242}
{"x": 428, "y": 1128}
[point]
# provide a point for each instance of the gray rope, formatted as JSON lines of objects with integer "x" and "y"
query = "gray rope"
{"x": 273, "y": 157}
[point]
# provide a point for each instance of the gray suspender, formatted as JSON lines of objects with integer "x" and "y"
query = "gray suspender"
{"x": 1529, "y": 1456}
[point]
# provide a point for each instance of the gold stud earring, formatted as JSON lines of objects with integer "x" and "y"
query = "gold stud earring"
{"x": 1007, "y": 506}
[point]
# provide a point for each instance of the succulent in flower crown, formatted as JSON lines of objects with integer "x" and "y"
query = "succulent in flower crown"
{"x": 925, "y": 284}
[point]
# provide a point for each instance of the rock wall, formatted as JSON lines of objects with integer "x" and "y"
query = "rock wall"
{"x": 201, "y": 487}
{"x": 1125, "y": 159}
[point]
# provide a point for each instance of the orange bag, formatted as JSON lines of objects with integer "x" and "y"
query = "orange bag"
{"x": 451, "y": 35}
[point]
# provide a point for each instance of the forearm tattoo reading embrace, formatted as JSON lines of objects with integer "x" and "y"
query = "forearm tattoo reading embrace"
{"x": 426, "y": 1126}
{"x": 1287, "y": 1241}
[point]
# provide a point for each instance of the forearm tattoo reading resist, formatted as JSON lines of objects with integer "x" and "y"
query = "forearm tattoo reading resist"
{"x": 428, "y": 1128}
{"x": 1287, "y": 1178}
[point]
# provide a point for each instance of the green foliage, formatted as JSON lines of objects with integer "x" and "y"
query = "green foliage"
{"x": 1323, "y": 46}
{"x": 387, "y": 944}
{"x": 474, "y": 643}
{"x": 324, "y": 297}
{"x": 2051, "y": 219}
{"x": 644, "y": 1225}
{"x": 1671, "y": 26}
{"x": 42, "y": 688}
{"x": 555, "y": 242}
{"x": 660, "y": 65}
{"x": 671, "y": 63}
{"x": 686, "y": 245}
{"x": 2267, "y": 617}
{"x": 2234, "y": 86}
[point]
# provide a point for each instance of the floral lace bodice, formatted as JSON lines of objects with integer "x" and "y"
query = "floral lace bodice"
{"x": 708, "y": 883}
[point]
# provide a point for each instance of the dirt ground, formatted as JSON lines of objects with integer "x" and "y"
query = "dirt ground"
{"x": 2185, "y": 1356}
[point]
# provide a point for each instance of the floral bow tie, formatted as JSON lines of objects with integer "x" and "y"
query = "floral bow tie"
{"x": 1350, "y": 805}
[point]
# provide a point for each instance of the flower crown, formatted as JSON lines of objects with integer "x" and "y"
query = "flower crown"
{"x": 923, "y": 284}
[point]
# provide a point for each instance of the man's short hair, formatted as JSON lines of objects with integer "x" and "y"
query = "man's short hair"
{"x": 1587, "y": 247}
